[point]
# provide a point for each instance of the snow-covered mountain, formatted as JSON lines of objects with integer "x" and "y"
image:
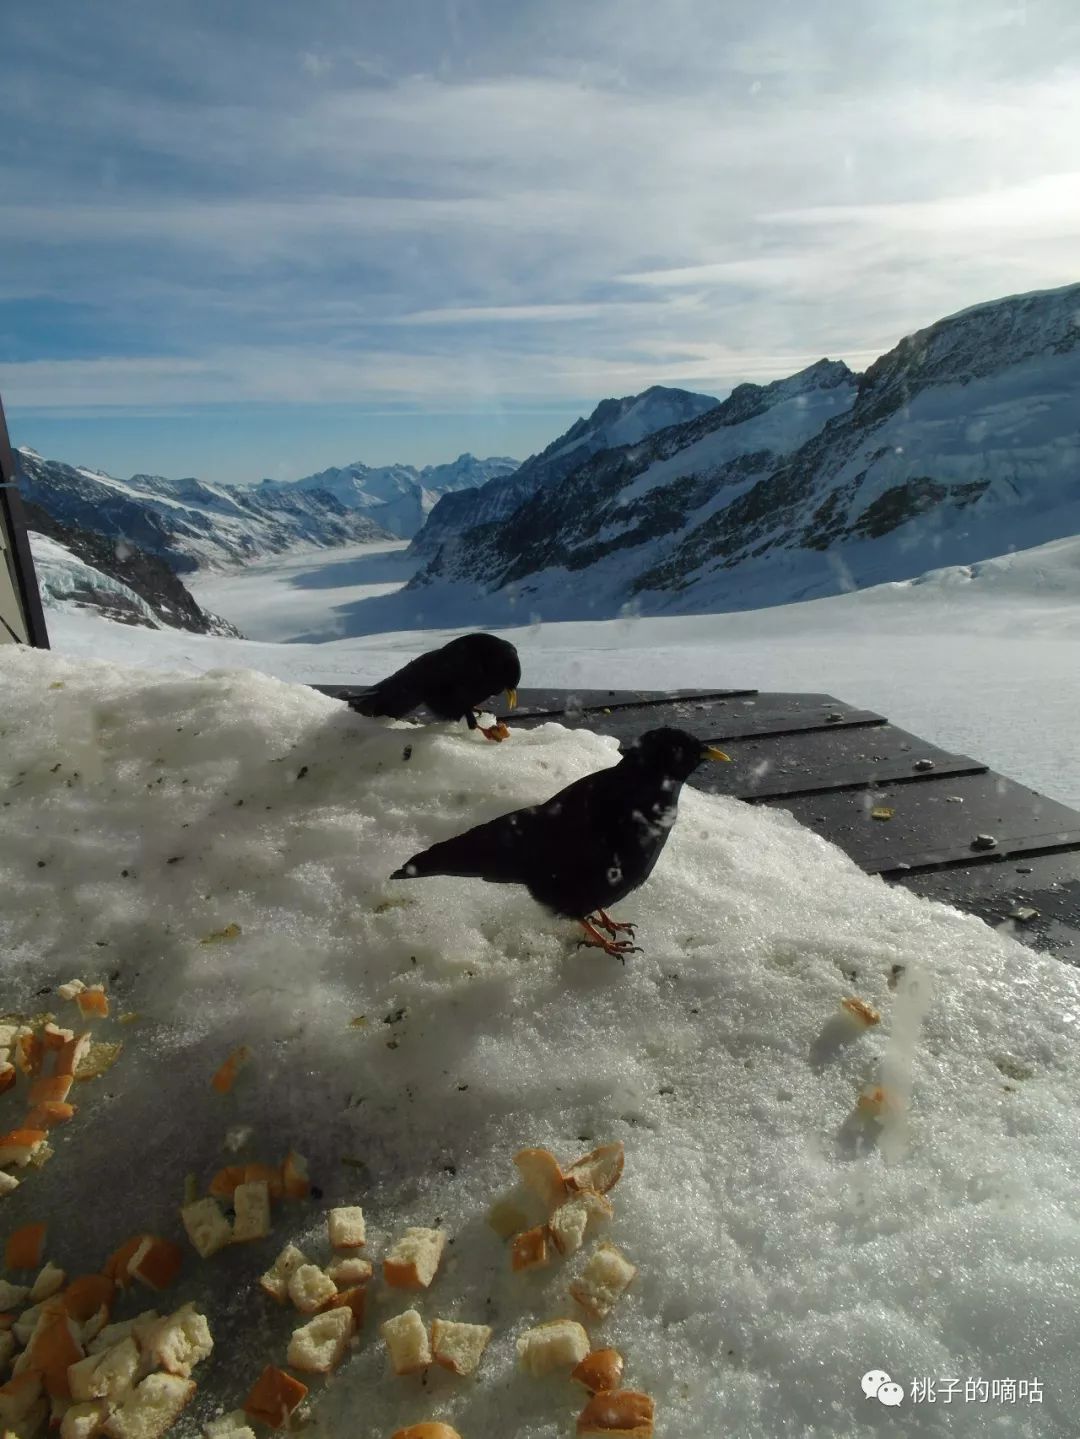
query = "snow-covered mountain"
{"x": 612, "y": 423}
{"x": 78, "y": 569}
{"x": 961, "y": 443}
{"x": 398, "y": 498}
{"x": 186, "y": 522}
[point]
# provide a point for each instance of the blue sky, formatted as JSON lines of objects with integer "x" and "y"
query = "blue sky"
{"x": 265, "y": 237}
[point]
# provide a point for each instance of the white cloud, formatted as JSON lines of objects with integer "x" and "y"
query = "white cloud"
{"x": 622, "y": 195}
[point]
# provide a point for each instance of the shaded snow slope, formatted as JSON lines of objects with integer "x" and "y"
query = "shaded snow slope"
{"x": 784, "y": 1246}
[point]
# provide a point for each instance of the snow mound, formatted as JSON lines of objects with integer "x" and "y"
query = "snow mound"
{"x": 785, "y": 1246}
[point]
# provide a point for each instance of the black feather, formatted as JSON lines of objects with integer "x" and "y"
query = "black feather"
{"x": 451, "y": 682}
{"x": 588, "y": 846}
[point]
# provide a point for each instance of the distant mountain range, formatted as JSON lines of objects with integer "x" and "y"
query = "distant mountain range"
{"x": 398, "y": 498}
{"x": 959, "y": 444}
{"x": 118, "y": 546}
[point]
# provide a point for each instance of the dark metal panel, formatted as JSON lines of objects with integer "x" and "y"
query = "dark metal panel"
{"x": 935, "y": 823}
{"x": 1035, "y": 899}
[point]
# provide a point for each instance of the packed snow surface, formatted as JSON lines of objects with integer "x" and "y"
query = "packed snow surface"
{"x": 785, "y": 1245}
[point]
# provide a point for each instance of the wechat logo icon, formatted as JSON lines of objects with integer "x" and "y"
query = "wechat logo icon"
{"x": 876, "y": 1384}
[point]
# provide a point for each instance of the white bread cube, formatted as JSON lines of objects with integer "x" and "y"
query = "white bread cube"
{"x": 458, "y": 1347}
{"x": 252, "y": 1205}
{"x": 413, "y": 1260}
{"x": 233, "y": 1425}
{"x": 105, "y": 1376}
{"x": 71, "y": 989}
{"x": 138, "y": 1329}
{"x": 317, "y": 1346}
{"x": 309, "y": 1288}
{"x": 346, "y": 1227}
{"x": 151, "y": 1408}
{"x": 348, "y": 1272}
{"x": 95, "y": 1324}
{"x": 569, "y": 1222}
{"x": 13, "y": 1296}
{"x": 603, "y": 1280}
{"x": 143, "y": 1326}
{"x": 275, "y": 1281}
{"x": 600, "y": 1170}
{"x": 83, "y": 1421}
{"x": 206, "y": 1226}
{"x": 180, "y": 1341}
{"x": 406, "y": 1339}
{"x": 558, "y": 1344}
{"x": 8, "y": 1182}
{"x": 47, "y": 1283}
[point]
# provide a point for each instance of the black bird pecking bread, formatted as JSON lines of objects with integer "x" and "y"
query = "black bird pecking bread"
{"x": 451, "y": 682}
{"x": 588, "y": 846}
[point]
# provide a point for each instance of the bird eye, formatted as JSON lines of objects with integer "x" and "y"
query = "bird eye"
{"x": 614, "y": 874}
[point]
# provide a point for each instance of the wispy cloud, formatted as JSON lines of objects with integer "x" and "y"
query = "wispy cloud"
{"x": 512, "y": 203}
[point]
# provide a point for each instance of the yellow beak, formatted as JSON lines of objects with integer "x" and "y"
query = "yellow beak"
{"x": 712, "y": 753}
{"x": 511, "y": 698}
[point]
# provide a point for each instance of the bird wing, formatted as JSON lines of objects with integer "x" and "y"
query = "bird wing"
{"x": 518, "y": 847}
{"x": 399, "y": 694}
{"x": 497, "y": 851}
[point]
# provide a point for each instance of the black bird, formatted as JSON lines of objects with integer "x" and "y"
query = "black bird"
{"x": 586, "y": 847}
{"x": 451, "y": 682}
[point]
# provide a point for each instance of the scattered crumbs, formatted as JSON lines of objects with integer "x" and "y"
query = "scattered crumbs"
{"x": 222, "y": 936}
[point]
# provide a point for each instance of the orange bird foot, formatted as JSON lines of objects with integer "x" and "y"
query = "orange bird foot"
{"x": 495, "y": 732}
{"x": 619, "y": 948}
{"x": 613, "y": 926}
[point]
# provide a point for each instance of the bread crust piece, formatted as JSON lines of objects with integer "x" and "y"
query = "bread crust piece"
{"x": 274, "y": 1397}
{"x": 622, "y": 1413}
{"x": 530, "y": 1249}
{"x": 599, "y": 1371}
{"x": 429, "y": 1430}
{"x": 542, "y": 1175}
{"x": 414, "y": 1260}
{"x": 599, "y": 1170}
{"x": 570, "y": 1221}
